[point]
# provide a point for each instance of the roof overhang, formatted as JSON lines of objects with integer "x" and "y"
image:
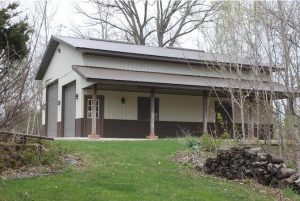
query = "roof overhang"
{"x": 53, "y": 43}
{"x": 173, "y": 81}
{"x": 145, "y": 57}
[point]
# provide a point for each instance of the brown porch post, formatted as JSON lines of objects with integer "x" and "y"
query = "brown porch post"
{"x": 205, "y": 111}
{"x": 93, "y": 134}
{"x": 152, "y": 116}
{"x": 250, "y": 119}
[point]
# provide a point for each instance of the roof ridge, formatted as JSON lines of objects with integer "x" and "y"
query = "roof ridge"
{"x": 130, "y": 43}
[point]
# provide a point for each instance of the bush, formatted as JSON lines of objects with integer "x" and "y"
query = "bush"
{"x": 225, "y": 135}
{"x": 47, "y": 154}
{"x": 191, "y": 142}
{"x": 209, "y": 143}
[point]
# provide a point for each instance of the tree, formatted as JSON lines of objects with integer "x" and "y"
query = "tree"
{"x": 14, "y": 68}
{"x": 13, "y": 35}
{"x": 188, "y": 15}
{"x": 138, "y": 21}
{"x": 267, "y": 32}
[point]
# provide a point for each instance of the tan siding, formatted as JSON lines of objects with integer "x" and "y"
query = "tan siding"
{"x": 60, "y": 68}
{"x": 153, "y": 66}
{"x": 171, "y": 107}
{"x": 180, "y": 108}
{"x": 114, "y": 109}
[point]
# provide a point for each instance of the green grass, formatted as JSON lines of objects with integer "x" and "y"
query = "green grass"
{"x": 133, "y": 171}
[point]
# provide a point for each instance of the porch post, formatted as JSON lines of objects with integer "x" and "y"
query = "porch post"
{"x": 205, "y": 111}
{"x": 93, "y": 134}
{"x": 233, "y": 116}
{"x": 250, "y": 119}
{"x": 152, "y": 116}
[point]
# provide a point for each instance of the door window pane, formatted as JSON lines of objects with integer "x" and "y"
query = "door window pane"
{"x": 89, "y": 113}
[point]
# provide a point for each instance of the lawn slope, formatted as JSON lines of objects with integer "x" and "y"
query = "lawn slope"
{"x": 133, "y": 171}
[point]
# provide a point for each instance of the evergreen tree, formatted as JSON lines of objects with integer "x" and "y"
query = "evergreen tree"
{"x": 14, "y": 34}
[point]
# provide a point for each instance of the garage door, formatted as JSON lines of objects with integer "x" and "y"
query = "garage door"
{"x": 69, "y": 110}
{"x": 52, "y": 110}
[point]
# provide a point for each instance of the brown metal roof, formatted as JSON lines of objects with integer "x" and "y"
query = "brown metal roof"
{"x": 101, "y": 74}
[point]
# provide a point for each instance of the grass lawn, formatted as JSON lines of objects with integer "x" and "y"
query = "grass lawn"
{"x": 128, "y": 170}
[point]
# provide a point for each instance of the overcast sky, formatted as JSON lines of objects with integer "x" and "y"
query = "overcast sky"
{"x": 63, "y": 9}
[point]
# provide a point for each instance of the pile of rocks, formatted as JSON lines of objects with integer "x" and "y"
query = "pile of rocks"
{"x": 10, "y": 154}
{"x": 246, "y": 162}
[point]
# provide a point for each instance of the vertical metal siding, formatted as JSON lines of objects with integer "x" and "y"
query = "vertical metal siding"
{"x": 52, "y": 95}
{"x": 69, "y": 110}
{"x": 181, "y": 108}
{"x": 162, "y": 67}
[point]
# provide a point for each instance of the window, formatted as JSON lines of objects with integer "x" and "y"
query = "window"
{"x": 144, "y": 108}
{"x": 90, "y": 108}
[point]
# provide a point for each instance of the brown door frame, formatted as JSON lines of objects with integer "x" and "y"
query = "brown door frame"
{"x": 100, "y": 120}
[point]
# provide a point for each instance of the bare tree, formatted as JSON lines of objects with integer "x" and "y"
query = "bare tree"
{"x": 178, "y": 18}
{"x": 41, "y": 21}
{"x": 267, "y": 33}
{"x": 139, "y": 20}
{"x": 131, "y": 21}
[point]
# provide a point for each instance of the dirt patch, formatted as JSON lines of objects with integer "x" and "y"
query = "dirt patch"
{"x": 194, "y": 158}
{"x": 66, "y": 161}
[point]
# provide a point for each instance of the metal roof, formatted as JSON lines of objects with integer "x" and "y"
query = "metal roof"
{"x": 106, "y": 75}
{"x": 124, "y": 49}
{"x": 175, "y": 53}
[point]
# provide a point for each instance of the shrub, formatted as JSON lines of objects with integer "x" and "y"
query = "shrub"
{"x": 47, "y": 154}
{"x": 209, "y": 143}
{"x": 191, "y": 142}
{"x": 225, "y": 135}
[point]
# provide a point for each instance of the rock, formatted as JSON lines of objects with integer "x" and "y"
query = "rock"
{"x": 271, "y": 158}
{"x": 291, "y": 179}
{"x": 285, "y": 173}
{"x": 241, "y": 162}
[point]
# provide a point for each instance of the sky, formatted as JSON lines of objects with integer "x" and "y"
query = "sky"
{"x": 63, "y": 11}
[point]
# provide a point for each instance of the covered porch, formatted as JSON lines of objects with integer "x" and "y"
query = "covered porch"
{"x": 134, "y": 104}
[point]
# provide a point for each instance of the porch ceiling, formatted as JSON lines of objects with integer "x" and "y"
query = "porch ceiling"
{"x": 138, "y": 79}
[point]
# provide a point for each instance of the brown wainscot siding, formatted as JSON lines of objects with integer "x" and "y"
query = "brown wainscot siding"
{"x": 125, "y": 128}
{"x": 140, "y": 129}
{"x": 43, "y": 130}
{"x": 79, "y": 127}
{"x": 178, "y": 129}
{"x": 59, "y": 129}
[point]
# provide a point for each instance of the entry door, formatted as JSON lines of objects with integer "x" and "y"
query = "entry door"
{"x": 52, "y": 98}
{"x": 223, "y": 117}
{"x": 69, "y": 110}
{"x": 88, "y": 105}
